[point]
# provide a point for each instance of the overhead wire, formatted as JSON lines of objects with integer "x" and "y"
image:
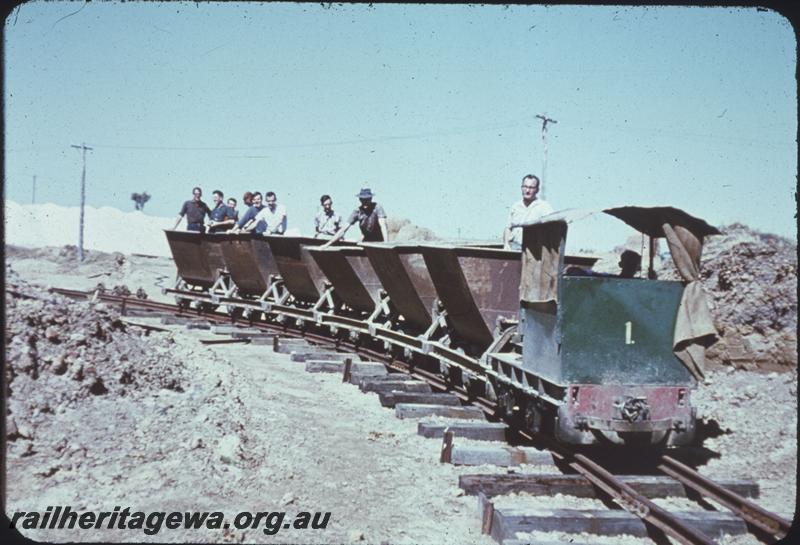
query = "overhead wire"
{"x": 523, "y": 121}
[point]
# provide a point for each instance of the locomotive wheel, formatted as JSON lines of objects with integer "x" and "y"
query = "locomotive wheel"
{"x": 533, "y": 418}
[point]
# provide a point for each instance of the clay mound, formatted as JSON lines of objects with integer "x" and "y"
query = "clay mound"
{"x": 60, "y": 352}
{"x": 403, "y": 230}
{"x": 751, "y": 280}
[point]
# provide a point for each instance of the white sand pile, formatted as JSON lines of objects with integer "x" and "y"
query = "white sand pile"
{"x": 106, "y": 229}
{"x": 111, "y": 230}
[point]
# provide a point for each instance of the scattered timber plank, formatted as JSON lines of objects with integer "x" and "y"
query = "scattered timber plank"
{"x": 361, "y": 368}
{"x": 418, "y": 410}
{"x": 577, "y": 485}
{"x": 177, "y": 320}
{"x": 390, "y": 399}
{"x": 371, "y": 384}
{"x": 144, "y": 312}
{"x": 231, "y": 330}
{"x": 498, "y": 455}
{"x": 229, "y": 340}
{"x": 252, "y": 334}
{"x": 541, "y": 542}
{"x": 143, "y": 326}
{"x": 469, "y": 429}
{"x": 198, "y": 325}
{"x": 506, "y": 522}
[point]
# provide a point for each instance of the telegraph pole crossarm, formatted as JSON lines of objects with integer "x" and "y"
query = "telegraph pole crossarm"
{"x": 545, "y": 121}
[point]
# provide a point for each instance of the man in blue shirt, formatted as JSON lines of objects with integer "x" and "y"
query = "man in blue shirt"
{"x": 220, "y": 216}
{"x": 248, "y": 221}
{"x": 234, "y": 214}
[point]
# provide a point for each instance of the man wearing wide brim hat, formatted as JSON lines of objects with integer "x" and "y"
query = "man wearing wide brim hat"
{"x": 370, "y": 217}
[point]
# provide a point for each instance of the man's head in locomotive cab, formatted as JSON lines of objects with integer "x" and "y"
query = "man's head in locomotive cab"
{"x": 631, "y": 263}
{"x": 272, "y": 199}
{"x": 247, "y": 198}
{"x": 232, "y": 204}
{"x": 530, "y": 188}
{"x": 257, "y": 200}
{"x": 217, "y": 197}
{"x": 197, "y": 193}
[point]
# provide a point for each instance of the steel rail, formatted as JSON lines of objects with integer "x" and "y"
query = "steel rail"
{"x": 632, "y": 501}
{"x": 624, "y": 495}
{"x": 759, "y": 517}
{"x": 638, "y": 504}
{"x": 431, "y": 378}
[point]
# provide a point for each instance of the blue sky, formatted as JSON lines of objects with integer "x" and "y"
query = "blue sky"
{"x": 432, "y": 106}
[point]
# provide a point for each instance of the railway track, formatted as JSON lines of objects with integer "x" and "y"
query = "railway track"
{"x": 770, "y": 523}
{"x": 761, "y": 522}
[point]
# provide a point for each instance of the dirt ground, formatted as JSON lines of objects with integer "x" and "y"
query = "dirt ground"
{"x": 232, "y": 428}
{"x": 237, "y": 427}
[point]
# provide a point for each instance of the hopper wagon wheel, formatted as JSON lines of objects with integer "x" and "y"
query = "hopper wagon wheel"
{"x": 397, "y": 352}
{"x": 475, "y": 388}
{"x": 455, "y": 376}
{"x": 207, "y": 307}
{"x": 236, "y": 313}
{"x": 506, "y": 400}
{"x": 183, "y": 303}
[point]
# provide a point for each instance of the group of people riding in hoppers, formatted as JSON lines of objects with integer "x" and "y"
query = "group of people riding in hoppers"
{"x": 269, "y": 218}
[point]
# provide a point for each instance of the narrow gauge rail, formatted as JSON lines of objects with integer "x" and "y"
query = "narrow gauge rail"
{"x": 284, "y": 330}
{"x": 770, "y": 523}
{"x": 629, "y": 499}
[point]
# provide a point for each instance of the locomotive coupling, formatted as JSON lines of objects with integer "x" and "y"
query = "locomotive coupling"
{"x": 631, "y": 409}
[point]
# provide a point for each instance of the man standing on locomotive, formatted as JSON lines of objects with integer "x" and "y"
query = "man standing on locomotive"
{"x": 371, "y": 220}
{"x": 194, "y": 210}
{"x": 247, "y": 223}
{"x": 630, "y": 263}
{"x": 528, "y": 209}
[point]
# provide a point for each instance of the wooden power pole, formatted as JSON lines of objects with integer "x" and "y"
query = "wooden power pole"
{"x": 545, "y": 121}
{"x": 83, "y": 197}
